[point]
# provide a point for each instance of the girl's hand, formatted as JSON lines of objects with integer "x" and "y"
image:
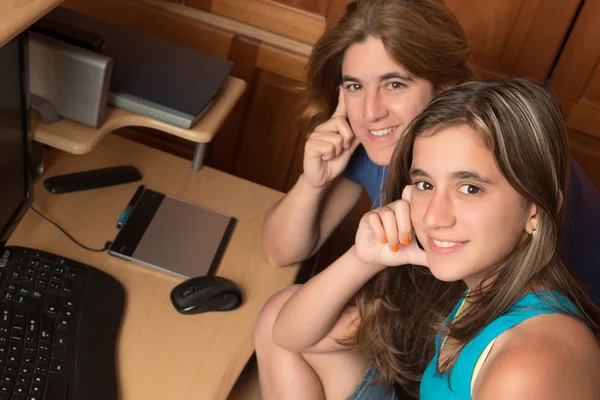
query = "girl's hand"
{"x": 385, "y": 235}
{"x": 329, "y": 147}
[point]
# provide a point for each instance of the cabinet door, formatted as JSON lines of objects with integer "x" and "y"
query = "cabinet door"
{"x": 270, "y": 136}
{"x": 517, "y": 37}
{"x": 576, "y": 81}
{"x": 302, "y": 20}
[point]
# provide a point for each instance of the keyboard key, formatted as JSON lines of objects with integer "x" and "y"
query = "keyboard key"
{"x": 58, "y": 367}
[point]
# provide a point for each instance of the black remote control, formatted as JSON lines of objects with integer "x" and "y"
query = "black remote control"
{"x": 92, "y": 179}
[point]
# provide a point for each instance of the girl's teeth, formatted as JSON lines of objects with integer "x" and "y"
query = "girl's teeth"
{"x": 383, "y": 132}
{"x": 444, "y": 244}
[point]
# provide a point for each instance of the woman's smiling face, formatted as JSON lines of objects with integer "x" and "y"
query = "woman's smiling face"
{"x": 381, "y": 97}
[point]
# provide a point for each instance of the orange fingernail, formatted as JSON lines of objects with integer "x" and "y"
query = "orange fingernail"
{"x": 384, "y": 239}
{"x": 395, "y": 248}
{"x": 405, "y": 241}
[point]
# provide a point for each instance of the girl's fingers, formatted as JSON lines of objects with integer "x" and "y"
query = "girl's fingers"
{"x": 388, "y": 219}
{"x": 407, "y": 193}
{"x": 374, "y": 221}
{"x": 405, "y": 228}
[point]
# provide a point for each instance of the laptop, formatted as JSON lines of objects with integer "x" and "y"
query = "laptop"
{"x": 173, "y": 236}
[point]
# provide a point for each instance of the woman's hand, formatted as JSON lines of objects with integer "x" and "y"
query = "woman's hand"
{"x": 385, "y": 235}
{"x": 328, "y": 149}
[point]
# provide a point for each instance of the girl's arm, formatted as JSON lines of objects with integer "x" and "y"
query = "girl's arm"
{"x": 313, "y": 311}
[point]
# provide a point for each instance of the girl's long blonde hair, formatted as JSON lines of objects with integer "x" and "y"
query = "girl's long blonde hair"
{"x": 403, "y": 308}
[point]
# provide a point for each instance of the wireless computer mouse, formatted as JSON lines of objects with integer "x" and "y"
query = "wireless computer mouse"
{"x": 204, "y": 294}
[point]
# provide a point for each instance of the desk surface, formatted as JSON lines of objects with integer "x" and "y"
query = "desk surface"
{"x": 162, "y": 354}
{"x": 16, "y": 16}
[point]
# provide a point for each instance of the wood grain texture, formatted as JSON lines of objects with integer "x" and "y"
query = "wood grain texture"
{"x": 576, "y": 82}
{"x": 76, "y": 138}
{"x": 586, "y": 150}
{"x": 224, "y": 149}
{"x": 577, "y": 69}
{"x": 515, "y": 38}
{"x": 317, "y": 7}
{"x": 17, "y": 15}
{"x": 233, "y": 26}
{"x": 160, "y": 353}
{"x": 205, "y": 5}
{"x": 152, "y": 20}
{"x": 284, "y": 63}
{"x": 273, "y": 17}
{"x": 336, "y": 10}
{"x": 271, "y": 134}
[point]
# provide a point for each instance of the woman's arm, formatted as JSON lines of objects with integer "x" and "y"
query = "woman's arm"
{"x": 297, "y": 226}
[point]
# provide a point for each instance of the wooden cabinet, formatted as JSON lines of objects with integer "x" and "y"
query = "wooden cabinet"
{"x": 576, "y": 81}
{"x": 259, "y": 139}
{"x": 517, "y": 37}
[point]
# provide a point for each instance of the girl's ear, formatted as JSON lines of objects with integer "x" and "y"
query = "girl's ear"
{"x": 561, "y": 199}
{"x": 532, "y": 219}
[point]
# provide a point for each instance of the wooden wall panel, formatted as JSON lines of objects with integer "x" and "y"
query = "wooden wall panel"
{"x": 586, "y": 150}
{"x": 517, "y": 37}
{"x": 224, "y": 149}
{"x": 285, "y": 63}
{"x": 153, "y": 21}
{"x": 271, "y": 133}
{"x": 269, "y": 15}
{"x": 576, "y": 81}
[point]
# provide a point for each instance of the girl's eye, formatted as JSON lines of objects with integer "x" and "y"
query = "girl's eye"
{"x": 353, "y": 87}
{"x": 423, "y": 185}
{"x": 469, "y": 189}
{"x": 396, "y": 85}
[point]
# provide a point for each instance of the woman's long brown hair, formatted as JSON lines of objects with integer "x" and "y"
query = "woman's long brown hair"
{"x": 421, "y": 35}
{"x": 403, "y": 308}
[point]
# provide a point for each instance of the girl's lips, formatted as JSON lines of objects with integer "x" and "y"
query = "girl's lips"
{"x": 444, "y": 247}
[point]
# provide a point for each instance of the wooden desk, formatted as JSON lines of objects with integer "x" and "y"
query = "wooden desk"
{"x": 16, "y": 16}
{"x": 160, "y": 353}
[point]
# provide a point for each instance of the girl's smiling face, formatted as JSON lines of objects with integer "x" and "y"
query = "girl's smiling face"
{"x": 465, "y": 213}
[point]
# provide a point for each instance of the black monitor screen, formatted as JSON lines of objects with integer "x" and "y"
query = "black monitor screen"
{"x": 14, "y": 114}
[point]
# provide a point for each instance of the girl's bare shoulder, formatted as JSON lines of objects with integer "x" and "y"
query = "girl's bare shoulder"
{"x": 545, "y": 357}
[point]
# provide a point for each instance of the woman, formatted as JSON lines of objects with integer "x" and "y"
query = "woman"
{"x": 479, "y": 296}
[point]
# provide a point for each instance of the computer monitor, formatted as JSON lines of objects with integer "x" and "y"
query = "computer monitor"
{"x": 15, "y": 141}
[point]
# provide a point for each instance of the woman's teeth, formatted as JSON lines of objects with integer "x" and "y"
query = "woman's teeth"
{"x": 383, "y": 132}
{"x": 444, "y": 244}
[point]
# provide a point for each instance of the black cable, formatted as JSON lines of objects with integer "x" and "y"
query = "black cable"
{"x": 106, "y": 245}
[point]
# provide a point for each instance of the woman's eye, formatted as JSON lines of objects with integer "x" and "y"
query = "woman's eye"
{"x": 469, "y": 189}
{"x": 423, "y": 185}
{"x": 353, "y": 87}
{"x": 396, "y": 85}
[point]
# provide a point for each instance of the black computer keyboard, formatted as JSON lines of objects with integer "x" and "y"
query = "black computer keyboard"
{"x": 58, "y": 327}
